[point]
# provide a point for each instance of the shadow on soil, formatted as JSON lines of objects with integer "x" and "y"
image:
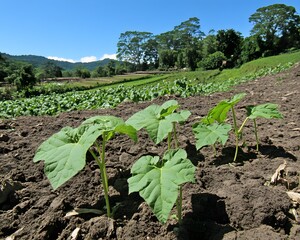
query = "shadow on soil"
{"x": 227, "y": 155}
{"x": 270, "y": 151}
{"x": 274, "y": 152}
{"x": 208, "y": 218}
{"x": 193, "y": 154}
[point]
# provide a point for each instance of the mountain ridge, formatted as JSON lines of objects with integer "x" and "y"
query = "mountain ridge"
{"x": 39, "y": 61}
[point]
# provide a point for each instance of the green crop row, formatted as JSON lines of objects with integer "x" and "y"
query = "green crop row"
{"x": 111, "y": 97}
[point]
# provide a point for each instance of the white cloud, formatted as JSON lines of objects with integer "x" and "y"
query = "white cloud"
{"x": 61, "y": 59}
{"x": 88, "y": 59}
{"x": 85, "y": 59}
{"x": 110, "y": 56}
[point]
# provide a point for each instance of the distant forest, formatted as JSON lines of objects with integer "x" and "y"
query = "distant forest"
{"x": 276, "y": 29}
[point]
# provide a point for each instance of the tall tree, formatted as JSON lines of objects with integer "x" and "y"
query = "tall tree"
{"x": 150, "y": 56}
{"x": 181, "y": 46}
{"x": 132, "y": 46}
{"x": 229, "y": 43}
{"x": 167, "y": 58}
{"x": 210, "y": 43}
{"x": 22, "y": 77}
{"x": 166, "y": 40}
{"x": 51, "y": 70}
{"x": 188, "y": 33}
{"x": 251, "y": 48}
{"x": 274, "y": 21}
{"x": 3, "y": 66}
{"x": 82, "y": 72}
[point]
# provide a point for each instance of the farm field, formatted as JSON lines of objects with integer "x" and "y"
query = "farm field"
{"x": 227, "y": 201}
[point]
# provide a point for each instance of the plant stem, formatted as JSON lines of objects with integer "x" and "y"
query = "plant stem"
{"x": 256, "y": 136}
{"x": 236, "y": 133}
{"x": 236, "y": 146}
{"x": 169, "y": 140}
{"x": 234, "y": 119}
{"x": 102, "y": 167}
{"x": 215, "y": 149}
{"x": 241, "y": 128}
{"x": 175, "y": 135}
{"x": 179, "y": 205}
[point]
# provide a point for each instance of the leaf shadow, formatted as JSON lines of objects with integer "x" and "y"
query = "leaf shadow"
{"x": 273, "y": 152}
{"x": 227, "y": 155}
{"x": 193, "y": 154}
{"x": 122, "y": 204}
{"x": 250, "y": 153}
{"x": 208, "y": 219}
{"x": 128, "y": 203}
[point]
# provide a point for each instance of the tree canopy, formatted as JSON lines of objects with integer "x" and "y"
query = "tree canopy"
{"x": 276, "y": 28}
{"x": 274, "y": 22}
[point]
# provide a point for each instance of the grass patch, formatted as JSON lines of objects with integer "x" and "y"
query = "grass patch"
{"x": 97, "y": 82}
{"x": 250, "y": 68}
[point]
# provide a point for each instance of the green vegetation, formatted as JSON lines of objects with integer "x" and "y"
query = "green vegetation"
{"x": 159, "y": 121}
{"x": 275, "y": 30}
{"x": 112, "y": 96}
{"x": 159, "y": 181}
{"x": 267, "y": 110}
{"x": 64, "y": 153}
{"x": 212, "y": 128}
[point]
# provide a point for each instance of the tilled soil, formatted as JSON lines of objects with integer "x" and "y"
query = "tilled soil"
{"x": 228, "y": 201}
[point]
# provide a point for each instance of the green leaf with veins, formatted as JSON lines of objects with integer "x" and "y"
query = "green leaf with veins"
{"x": 111, "y": 125}
{"x": 158, "y": 120}
{"x": 64, "y": 152}
{"x": 158, "y": 181}
{"x": 219, "y": 112}
{"x": 267, "y": 110}
{"x": 210, "y": 134}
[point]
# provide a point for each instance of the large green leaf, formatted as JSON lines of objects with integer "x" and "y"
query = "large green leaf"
{"x": 158, "y": 181}
{"x": 168, "y": 108}
{"x": 64, "y": 154}
{"x": 210, "y": 134}
{"x": 219, "y": 112}
{"x": 158, "y": 120}
{"x": 143, "y": 117}
{"x": 267, "y": 110}
{"x": 111, "y": 125}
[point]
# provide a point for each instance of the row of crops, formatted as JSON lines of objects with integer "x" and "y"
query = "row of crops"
{"x": 105, "y": 98}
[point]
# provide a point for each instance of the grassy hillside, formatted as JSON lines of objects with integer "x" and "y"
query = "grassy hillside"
{"x": 246, "y": 69}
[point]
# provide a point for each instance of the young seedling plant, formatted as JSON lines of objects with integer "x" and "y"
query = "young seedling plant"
{"x": 213, "y": 128}
{"x": 64, "y": 153}
{"x": 159, "y": 181}
{"x": 266, "y": 110}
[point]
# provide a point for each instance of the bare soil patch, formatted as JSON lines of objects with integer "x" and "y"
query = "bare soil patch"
{"x": 226, "y": 202}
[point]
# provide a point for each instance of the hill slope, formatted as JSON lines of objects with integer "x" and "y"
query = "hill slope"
{"x": 38, "y": 61}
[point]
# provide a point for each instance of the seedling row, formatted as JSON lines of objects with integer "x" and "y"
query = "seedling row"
{"x": 158, "y": 179}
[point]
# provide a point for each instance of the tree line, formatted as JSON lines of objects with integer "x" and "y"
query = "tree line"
{"x": 276, "y": 29}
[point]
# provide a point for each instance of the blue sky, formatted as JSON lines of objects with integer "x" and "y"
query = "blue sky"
{"x": 87, "y": 30}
